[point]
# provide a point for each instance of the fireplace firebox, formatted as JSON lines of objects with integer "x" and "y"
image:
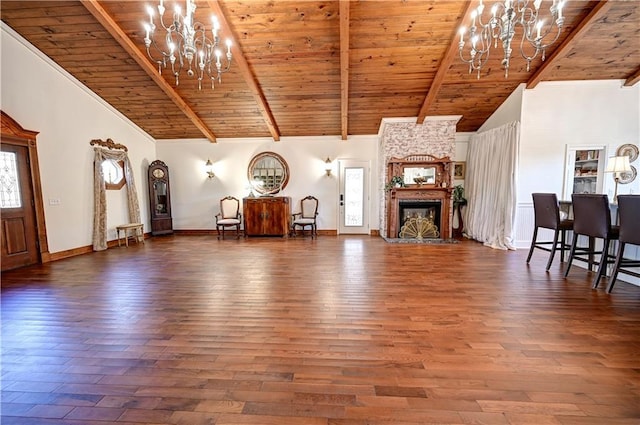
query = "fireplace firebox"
{"x": 419, "y": 209}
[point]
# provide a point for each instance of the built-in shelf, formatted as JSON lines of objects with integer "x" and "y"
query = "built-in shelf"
{"x": 584, "y": 170}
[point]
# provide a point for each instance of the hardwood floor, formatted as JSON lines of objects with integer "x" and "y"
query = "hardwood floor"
{"x": 334, "y": 331}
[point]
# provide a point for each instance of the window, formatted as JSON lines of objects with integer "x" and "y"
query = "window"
{"x": 9, "y": 184}
{"x": 113, "y": 172}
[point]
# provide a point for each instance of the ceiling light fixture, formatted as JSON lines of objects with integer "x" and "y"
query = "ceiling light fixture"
{"x": 538, "y": 33}
{"x": 187, "y": 45}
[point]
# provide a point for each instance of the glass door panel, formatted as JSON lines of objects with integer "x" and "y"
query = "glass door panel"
{"x": 354, "y": 197}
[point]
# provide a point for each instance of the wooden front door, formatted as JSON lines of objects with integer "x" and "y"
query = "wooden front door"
{"x": 19, "y": 234}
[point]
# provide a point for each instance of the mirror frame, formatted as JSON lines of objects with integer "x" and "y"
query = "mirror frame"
{"x": 260, "y": 188}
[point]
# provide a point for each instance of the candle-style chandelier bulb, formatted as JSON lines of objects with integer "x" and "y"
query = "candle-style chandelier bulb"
{"x": 484, "y": 32}
{"x": 187, "y": 44}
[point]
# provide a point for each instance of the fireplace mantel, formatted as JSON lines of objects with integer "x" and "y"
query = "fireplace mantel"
{"x": 439, "y": 189}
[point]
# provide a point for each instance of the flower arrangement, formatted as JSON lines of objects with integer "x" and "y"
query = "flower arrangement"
{"x": 396, "y": 181}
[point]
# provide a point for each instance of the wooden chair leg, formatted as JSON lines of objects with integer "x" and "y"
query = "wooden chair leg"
{"x": 571, "y": 254}
{"x": 602, "y": 269}
{"x": 616, "y": 267}
{"x": 553, "y": 249}
{"x": 533, "y": 244}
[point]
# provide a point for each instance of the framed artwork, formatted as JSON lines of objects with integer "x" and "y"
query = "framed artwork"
{"x": 459, "y": 169}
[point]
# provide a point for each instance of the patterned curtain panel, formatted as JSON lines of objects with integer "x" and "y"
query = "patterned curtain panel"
{"x": 100, "y": 198}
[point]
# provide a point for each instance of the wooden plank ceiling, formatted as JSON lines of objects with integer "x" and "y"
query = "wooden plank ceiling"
{"x": 310, "y": 68}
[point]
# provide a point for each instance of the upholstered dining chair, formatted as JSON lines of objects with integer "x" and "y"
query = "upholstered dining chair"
{"x": 592, "y": 218}
{"x": 229, "y": 216}
{"x": 629, "y": 219}
{"x": 307, "y": 216}
{"x": 547, "y": 216}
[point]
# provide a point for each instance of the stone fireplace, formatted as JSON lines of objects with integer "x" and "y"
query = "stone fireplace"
{"x": 402, "y": 137}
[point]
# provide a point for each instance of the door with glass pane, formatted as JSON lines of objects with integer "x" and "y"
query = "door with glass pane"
{"x": 19, "y": 236}
{"x": 354, "y": 197}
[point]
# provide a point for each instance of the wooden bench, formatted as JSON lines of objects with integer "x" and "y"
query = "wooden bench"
{"x": 131, "y": 230}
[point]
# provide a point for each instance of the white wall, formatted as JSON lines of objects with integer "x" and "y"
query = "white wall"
{"x": 574, "y": 113}
{"x": 509, "y": 111}
{"x": 557, "y": 114}
{"x": 195, "y": 198}
{"x": 461, "y": 148}
{"x": 42, "y": 97}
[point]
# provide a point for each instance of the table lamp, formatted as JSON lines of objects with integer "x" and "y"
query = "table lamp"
{"x": 617, "y": 165}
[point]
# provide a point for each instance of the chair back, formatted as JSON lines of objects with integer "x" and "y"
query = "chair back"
{"x": 229, "y": 207}
{"x": 309, "y": 207}
{"x": 546, "y": 210}
{"x": 629, "y": 215}
{"x": 591, "y": 214}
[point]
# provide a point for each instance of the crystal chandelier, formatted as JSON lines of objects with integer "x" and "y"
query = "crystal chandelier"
{"x": 538, "y": 33}
{"x": 187, "y": 45}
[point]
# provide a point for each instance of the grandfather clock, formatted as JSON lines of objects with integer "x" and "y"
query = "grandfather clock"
{"x": 160, "y": 199}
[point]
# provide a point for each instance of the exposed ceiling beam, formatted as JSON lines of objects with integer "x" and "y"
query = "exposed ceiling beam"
{"x": 445, "y": 64}
{"x": 248, "y": 76}
{"x": 121, "y": 37}
{"x": 634, "y": 78}
{"x": 344, "y": 68}
{"x": 599, "y": 10}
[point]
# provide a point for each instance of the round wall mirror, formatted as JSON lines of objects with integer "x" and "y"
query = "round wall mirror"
{"x": 268, "y": 173}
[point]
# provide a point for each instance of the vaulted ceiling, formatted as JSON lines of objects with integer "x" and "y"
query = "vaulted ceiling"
{"x": 310, "y": 68}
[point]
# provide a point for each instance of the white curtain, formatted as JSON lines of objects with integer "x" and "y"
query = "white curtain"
{"x": 490, "y": 186}
{"x": 100, "y": 198}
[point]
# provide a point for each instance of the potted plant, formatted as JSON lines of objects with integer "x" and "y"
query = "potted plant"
{"x": 458, "y": 195}
{"x": 396, "y": 181}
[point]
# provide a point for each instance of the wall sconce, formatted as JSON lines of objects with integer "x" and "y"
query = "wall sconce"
{"x": 208, "y": 168}
{"x": 328, "y": 166}
{"x": 617, "y": 165}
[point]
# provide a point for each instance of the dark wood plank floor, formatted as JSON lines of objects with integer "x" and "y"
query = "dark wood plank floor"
{"x": 339, "y": 330}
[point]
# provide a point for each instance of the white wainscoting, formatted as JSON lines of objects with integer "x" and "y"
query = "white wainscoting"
{"x": 524, "y": 224}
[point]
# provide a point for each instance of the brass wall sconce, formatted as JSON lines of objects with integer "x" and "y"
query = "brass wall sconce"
{"x": 208, "y": 167}
{"x": 328, "y": 166}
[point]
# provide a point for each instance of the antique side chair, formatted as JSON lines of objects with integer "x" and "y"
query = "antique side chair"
{"x": 229, "y": 216}
{"x": 307, "y": 216}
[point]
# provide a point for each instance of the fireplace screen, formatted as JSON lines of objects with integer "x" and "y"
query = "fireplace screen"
{"x": 419, "y": 219}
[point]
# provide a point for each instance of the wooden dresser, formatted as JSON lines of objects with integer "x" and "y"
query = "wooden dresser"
{"x": 267, "y": 216}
